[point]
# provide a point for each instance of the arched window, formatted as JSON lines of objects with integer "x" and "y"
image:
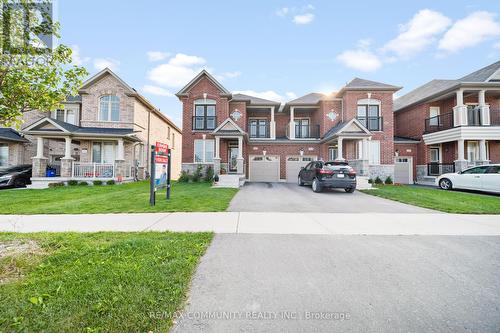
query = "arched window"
{"x": 369, "y": 114}
{"x": 204, "y": 117}
{"x": 109, "y": 108}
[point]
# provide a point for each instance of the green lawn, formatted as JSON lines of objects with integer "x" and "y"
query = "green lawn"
{"x": 99, "y": 282}
{"x": 125, "y": 198}
{"x": 446, "y": 201}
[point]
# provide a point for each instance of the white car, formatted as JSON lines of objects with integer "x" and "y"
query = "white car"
{"x": 481, "y": 178}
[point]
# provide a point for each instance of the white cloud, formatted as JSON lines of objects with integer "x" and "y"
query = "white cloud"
{"x": 155, "y": 90}
{"x": 181, "y": 59}
{"x": 361, "y": 59}
{"x": 178, "y": 71}
{"x": 227, "y": 75}
{"x": 496, "y": 45}
{"x": 303, "y": 18}
{"x": 470, "y": 31}
{"x": 282, "y": 11}
{"x": 418, "y": 33}
{"x": 101, "y": 63}
{"x": 76, "y": 57}
{"x": 157, "y": 55}
{"x": 268, "y": 94}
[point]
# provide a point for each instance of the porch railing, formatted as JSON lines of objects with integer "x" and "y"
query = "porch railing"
{"x": 437, "y": 169}
{"x": 93, "y": 170}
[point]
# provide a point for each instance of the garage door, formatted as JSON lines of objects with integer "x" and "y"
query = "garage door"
{"x": 264, "y": 168}
{"x": 403, "y": 170}
{"x": 293, "y": 165}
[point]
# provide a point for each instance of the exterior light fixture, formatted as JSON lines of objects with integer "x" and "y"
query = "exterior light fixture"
{"x": 301, "y": 151}
{"x": 264, "y": 151}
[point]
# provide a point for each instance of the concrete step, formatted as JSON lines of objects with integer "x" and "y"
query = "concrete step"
{"x": 362, "y": 183}
{"x": 230, "y": 181}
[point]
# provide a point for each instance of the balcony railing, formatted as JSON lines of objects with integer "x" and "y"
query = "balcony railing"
{"x": 259, "y": 131}
{"x": 202, "y": 123}
{"x": 494, "y": 117}
{"x": 304, "y": 131}
{"x": 372, "y": 123}
{"x": 437, "y": 169}
{"x": 439, "y": 123}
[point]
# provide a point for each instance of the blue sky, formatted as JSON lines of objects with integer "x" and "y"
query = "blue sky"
{"x": 279, "y": 49}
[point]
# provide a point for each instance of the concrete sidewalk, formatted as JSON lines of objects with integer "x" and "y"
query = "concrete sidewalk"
{"x": 262, "y": 223}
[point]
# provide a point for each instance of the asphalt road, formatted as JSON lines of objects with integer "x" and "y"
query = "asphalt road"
{"x": 301, "y": 283}
{"x": 289, "y": 197}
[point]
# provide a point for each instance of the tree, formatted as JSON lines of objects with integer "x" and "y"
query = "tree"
{"x": 32, "y": 75}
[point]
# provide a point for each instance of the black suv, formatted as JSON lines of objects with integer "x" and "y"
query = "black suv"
{"x": 331, "y": 174}
{"x": 15, "y": 176}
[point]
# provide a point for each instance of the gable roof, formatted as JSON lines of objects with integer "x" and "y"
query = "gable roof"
{"x": 201, "y": 74}
{"x": 311, "y": 98}
{"x": 9, "y": 134}
{"x": 228, "y": 126}
{"x": 436, "y": 88}
{"x": 342, "y": 127}
{"x": 101, "y": 74}
{"x": 253, "y": 100}
{"x": 362, "y": 84}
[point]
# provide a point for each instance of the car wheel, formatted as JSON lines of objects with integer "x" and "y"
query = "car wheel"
{"x": 445, "y": 184}
{"x": 19, "y": 182}
{"x": 316, "y": 186}
{"x": 349, "y": 189}
{"x": 299, "y": 181}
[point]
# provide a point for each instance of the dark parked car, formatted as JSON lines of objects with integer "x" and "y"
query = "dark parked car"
{"x": 332, "y": 174}
{"x": 15, "y": 176}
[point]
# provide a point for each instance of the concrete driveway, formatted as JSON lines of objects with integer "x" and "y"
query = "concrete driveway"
{"x": 289, "y": 197}
{"x": 304, "y": 283}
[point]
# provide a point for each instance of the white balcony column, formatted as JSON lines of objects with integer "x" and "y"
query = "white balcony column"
{"x": 340, "y": 154}
{"x": 272, "y": 125}
{"x": 482, "y": 152}
{"x": 39, "y": 147}
{"x": 121, "y": 152}
{"x": 460, "y": 110}
{"x": 292, "y": 123}
{"x": 484, "y": 109}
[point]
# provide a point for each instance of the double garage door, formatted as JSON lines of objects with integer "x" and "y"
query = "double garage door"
{"x": 266, "y": 168}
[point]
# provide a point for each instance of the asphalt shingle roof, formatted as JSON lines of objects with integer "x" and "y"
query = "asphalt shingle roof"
{"x": 358, "y": 83}
{"x": 9, "y": 134}
{"x": 92, "y": 130}
{"x": 253, "y": 100}
{"x": 482, "y": 74}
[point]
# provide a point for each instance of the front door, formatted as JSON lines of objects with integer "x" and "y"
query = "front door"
{"x": 232, "y": 156}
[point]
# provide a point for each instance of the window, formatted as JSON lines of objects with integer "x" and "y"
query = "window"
{"x": 204, "y": 115}
{"x": 109, "y": 108}
{"x": 369, "y": 116}
{"x": 204, "y": 151}
{"x": 494, "y": 169}
{"x": 173, "y": 140}
{"x": 472, "y": 151}
{"x": 168, "y": 133}
{"x": 476, "y": 170}
{"x": 374, "y": 150}
{"x": 435, "y": 155}
{"x": 333, "y": 153}
{"x": 103, "y": 152}
{"x": 434, "y": 115}
{"x": 301, "y": 128}
{"x": 258, "y": 128}
{"x": 4, "y": 154}
{"x": 69, "y": 114}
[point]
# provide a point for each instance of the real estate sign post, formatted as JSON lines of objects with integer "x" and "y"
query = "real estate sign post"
{"x": 160, "y": 170}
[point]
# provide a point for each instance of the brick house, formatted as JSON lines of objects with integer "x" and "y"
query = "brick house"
{"x": 103, "y": 133}
{"x": 448, "y": 125}
{"x": 262, "y": 140}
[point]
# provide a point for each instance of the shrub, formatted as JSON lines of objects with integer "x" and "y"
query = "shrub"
{"x": 378, "y": 181}
{"x": 184, "y": 177}
{"x": 209, "y": 176}
{"x": 110, "y": 182}
{"x": 83, "y": 183}
{"x": 388, "y": 180}
{"x": 56, "y": 184}
{"x": 73, "y": 182}
{"x": 197, "y": 175}
{"x": 97, "y": 182}
{"x": 370, "y": 181}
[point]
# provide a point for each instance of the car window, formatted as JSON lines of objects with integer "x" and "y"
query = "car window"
{"x": 494, "y": 169}
{"x": 476, "y": 170}
{"x": 309, "y": 166}
{"x": 319, "y": 165}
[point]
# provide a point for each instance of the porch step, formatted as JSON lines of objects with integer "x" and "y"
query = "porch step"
{"x": 362, "y": 183}
{"x": 427, "y": 180}
{"x": 230, "y": 181}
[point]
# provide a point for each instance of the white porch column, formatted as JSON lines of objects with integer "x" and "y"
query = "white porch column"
{"x": 460, "y": 110}
{"x": 240, "y": 147}
{"x": 292, "y": 123}
{"x": 121, "y": 152}
{"x": 483, "y": 108}
{"x": 272, "y": 125}
{"x": 340, "y": 153}
{"x": 239, "y": 160}
{"x": 39, "y": 147}
{"x": 217, "y": 147}
{"x": 67, "y": 148}
{"x": 366, "y": 156}
{"x": 482, "y": 152}
{"x": 460, "y": 163}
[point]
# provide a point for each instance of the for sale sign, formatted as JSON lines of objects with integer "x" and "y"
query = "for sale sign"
{"x": 161, "y": 156}
{"x": 160, "y": 170}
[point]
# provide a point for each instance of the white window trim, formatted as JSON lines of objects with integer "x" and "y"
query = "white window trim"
{"x": 204, "y": 150}
{"x": 68, "y": 107}
{"x": 109, "y": 110}
{"x": 440, "y": 149}
{"x": 115, "y": 150}
{"x": 332, "y": 148}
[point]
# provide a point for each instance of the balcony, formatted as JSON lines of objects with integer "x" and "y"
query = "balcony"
{"x": 445, "y": 121}
{"x": 372, "y": 123}
{"x": 304, "y": 131}
{"x": 439, "y": 123}
{"x": 259, "y": 129}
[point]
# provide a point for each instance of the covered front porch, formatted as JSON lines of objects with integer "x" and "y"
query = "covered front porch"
{"x": 229, "y": 149}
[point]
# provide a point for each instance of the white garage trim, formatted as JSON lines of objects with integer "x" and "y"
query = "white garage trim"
{"x": 403, "y": 169}
{"x": 264, "y": 168}
{"x": 293, "y": 165}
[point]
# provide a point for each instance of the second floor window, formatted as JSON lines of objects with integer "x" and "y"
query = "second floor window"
{"x": 258, "y": 128}
{"x": 69, "y": 114}
{"x": 204, "y": 115}
{"x": 109, "y": 108}
{"x": 369, "y": 116}
{"x": 302, "y": 128}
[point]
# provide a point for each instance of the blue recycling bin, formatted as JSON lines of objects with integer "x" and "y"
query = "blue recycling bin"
{"x": 50, "y": 172}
